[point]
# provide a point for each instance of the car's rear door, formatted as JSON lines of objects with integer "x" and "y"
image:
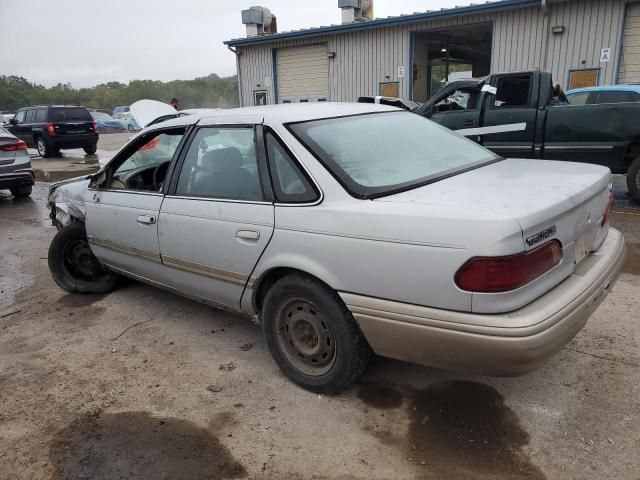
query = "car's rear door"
{"x": 122, "y": 218}
{"x": 219, "y": 214}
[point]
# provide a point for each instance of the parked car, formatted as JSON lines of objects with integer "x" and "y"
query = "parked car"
{"x": 5, "y": 118}
{"x": 106, "y": 124}
{"x": 346, "y": 228}
{"x": 53, "y": 128}
{"x": 604, "y": 94}
{"x": 128, "y": 120}
{"x": 120, "y": 109}
{"x": 515, "y": 115}
{"x": 16, "y": 174}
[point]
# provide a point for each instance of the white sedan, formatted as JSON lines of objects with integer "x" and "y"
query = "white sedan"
{"x": 348, "y": 229}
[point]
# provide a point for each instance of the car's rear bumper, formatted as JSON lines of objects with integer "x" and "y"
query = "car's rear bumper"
{"x": 507, "y": 344}
{"x": 15, "y": 179}
{"x": 73, "y": 141}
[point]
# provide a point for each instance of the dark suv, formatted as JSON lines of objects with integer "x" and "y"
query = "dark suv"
{"x": 52, "y": 128}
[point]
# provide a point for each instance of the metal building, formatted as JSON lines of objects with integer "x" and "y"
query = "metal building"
{"x": 581, "y": 42}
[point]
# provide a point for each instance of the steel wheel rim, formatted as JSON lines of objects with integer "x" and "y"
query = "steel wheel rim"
{"x": 305, "y": 337}
{"x": 41, "y": 147}
{"x": 80, "y": 261}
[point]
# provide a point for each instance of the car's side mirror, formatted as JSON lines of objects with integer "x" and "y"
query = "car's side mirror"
{"x": 97, "y": 179}
{"x": 13, "y": 121}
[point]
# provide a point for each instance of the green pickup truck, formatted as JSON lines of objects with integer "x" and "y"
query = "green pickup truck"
{"x": 516, "y": 115}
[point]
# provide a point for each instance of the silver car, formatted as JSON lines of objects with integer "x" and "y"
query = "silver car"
{"x": 16, "y": 174}
{"x": 348, "y": 229}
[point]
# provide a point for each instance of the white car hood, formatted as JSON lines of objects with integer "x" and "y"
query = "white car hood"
{"x": 146, "y": 111}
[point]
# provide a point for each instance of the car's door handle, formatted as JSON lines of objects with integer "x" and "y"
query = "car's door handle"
{"x": 147, "y": 219}
{"x": 251, "y": 235}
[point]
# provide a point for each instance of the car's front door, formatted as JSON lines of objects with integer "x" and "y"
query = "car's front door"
{"x": 218, "y": 216}
{"x": 121, "y": 219}
{"x": 18, "y": 128}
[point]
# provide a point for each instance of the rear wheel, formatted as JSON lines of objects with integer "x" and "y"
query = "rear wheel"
{"x": 73, "y": 265}
{"x": 90, "y": 149}
{"x": 633, "y": 180}
{"x": 44, "y": 150}
{"x": 312, "y": 335}
{"x": 21, "y": 191}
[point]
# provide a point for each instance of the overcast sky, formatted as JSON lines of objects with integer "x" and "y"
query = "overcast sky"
{"x": 87, "y": 42}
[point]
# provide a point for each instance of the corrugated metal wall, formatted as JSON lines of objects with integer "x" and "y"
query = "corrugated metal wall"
{"x": 630, "y": 60}
{"x": 365, "y": 58}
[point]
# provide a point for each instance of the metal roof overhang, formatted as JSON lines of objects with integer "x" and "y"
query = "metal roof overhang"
{"x": 385, "y": 22}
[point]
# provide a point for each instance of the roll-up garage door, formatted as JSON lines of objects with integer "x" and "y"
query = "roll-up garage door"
{"x": 303, "y": 74}
{"x": 630, "y": 61}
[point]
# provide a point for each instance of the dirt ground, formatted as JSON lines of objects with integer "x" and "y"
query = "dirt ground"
{"x": 142, "y": 384}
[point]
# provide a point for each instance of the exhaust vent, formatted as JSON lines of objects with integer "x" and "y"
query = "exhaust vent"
{"x": 356, "y": 10}
{"x": 259, "y": 21}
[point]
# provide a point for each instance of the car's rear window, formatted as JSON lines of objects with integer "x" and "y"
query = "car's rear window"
{"x": 70, "y": 114}
{"x": 382, "y": 153}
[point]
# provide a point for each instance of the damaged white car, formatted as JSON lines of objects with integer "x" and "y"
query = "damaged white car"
{"x": 348, "y": 229}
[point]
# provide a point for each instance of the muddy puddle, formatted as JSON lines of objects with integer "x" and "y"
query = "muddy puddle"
{"x": 460, "y": 430}
{"x": 135, "y": 445}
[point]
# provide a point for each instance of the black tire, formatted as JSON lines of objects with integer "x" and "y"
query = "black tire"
{"x": 303, "y": 319}
{"x": 73, "y": 266}
{"x": 633, "y": 180}
{"x": 21, "y": 191}
{"x": 90, "y": 149}
{"x": 44, "y": 149}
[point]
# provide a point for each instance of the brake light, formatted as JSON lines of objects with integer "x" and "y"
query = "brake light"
{"x": 607, "y": 212}
{"x": 503, "y": 274}
{"x": 51, "y": 129}
{"x": 94, "y": 127}
{"x": 13, "y": 147}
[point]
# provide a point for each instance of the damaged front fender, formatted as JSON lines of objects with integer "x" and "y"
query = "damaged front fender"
{"x": 67, "y": 201}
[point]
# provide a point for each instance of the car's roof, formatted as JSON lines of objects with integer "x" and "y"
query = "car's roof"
{"x": 607, "y": 88}
{"x": 282, "y": 113}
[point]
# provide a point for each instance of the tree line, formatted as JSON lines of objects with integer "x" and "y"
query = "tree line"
{"x": 204, "y": 92}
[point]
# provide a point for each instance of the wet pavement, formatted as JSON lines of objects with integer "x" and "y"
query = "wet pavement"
{"x": 131, "y": 385}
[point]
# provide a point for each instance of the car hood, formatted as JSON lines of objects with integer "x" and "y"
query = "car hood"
{"x": 146, "y": 111}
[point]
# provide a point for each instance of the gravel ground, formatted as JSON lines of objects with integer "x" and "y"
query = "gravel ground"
{"x": 147, "y": 385}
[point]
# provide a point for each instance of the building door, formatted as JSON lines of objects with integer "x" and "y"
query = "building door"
{"x": 302, "y": 74}
{"x": 630, "y": 60}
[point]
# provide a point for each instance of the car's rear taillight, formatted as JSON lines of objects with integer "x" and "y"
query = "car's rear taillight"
{"x": 12, "y": 147}
{"x": 503, "y": 274}
{"x": 609, "y": 209}
{"x": 94, "y": 127}
{"x": 51, "y": 128}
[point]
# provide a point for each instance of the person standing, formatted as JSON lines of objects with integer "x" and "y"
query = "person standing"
{"x": 174, "y": 103}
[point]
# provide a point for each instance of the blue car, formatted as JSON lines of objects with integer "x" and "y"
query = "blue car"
{"x": 120, "y": 109}
{"x": 106, "y": 124}
{"x": 605, "y": 94}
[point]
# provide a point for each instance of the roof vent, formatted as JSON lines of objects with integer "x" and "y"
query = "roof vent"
{"x": 356, "y": 10}
{"x": 259, "y": 21}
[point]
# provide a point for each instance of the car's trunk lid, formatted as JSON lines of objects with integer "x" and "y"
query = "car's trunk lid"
{"x": 71, "y": 121}
{"x": 550, "y": 200}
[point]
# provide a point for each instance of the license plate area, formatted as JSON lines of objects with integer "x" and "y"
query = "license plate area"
{"x": 581, "y": 248}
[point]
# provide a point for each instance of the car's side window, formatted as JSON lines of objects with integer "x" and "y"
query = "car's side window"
{"x": 145, "y": 163}
{"x": 41, "y": 115}
{"x": 20, "y": 117}
{"x": 460, "y": 100}
{"x": 513, "y": 91}
{"x": 221, "y": 162}
{"x": 29, "y": 116}
{"x": 579, "y": 98}
{"x": 289, "y": 181}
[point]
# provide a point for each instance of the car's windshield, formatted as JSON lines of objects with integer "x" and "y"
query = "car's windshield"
{"x": 377, "y": 154}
